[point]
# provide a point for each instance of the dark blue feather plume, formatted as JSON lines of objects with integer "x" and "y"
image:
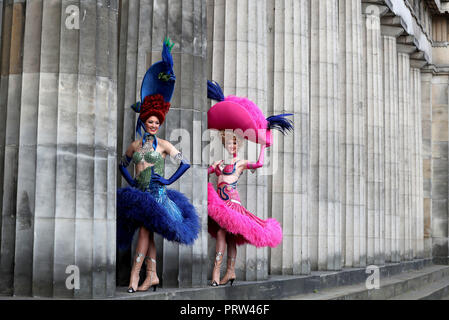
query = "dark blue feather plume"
{"x": 281, "y": 123}
{"x": 166, "y": 53}
{"x": 214, "y": 91}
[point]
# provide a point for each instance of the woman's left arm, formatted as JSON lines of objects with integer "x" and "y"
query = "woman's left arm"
{"x": 175, "y": 154}
{"x": 259, "y": 164}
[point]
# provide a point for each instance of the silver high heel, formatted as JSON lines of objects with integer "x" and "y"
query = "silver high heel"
{"x": 135, "y": 271}
{"x": 217, "y": 266}
{"x": 149, "y": 278}
{"x": 230, "y": 272}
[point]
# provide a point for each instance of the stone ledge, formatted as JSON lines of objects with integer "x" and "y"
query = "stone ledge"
{"x": 391, "y": 287}
{"x": 276, "y": 287}
{"x": 436, "y": 290}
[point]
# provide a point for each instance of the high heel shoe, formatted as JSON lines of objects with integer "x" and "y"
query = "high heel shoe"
{"x": 216, "y": 271}
{"x": 150, "y": 281}
{"x": 230, "y": 272}
{"x": 135, "y": 271}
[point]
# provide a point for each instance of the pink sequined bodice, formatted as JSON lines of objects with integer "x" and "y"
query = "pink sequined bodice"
{"x": 228, "y": 191}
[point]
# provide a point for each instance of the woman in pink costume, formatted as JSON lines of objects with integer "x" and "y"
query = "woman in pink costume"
{"x": 229, "y": 222}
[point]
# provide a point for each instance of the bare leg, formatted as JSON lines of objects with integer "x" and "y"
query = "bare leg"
{"x": 220, "y": 247}
{"x": 151, "y": 279}
{"x": 142, "y": 247}
{"x": 232, "y": 247}
{"x": 230, "y": 267}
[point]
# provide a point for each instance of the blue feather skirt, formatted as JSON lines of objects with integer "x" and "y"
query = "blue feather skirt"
{"x": 166, "y": 212}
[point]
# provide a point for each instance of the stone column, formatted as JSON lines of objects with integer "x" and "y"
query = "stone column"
{"x": 144, "y": 24}
{"x": 325, "y": 197}
{"x": 288, "y": 92}
{"x": 405, "y": 154}
{"x": 63, "y": 151}
{"x": 391, "y": 153}
{"x": 353, "y": 182}
{"x": 13, "y": 24}
{"x": 3, "y": 78}
{"x": 440, "y": 88}
{"x": 2, "y": 107}
{"x": 239, "y": 64}
{"x": 375, "y": 190}
{"x": 417, "y": 181}
{"x": 426, "y": 100}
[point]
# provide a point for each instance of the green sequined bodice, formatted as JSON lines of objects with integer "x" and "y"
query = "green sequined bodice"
{"x": 146, "y": 154}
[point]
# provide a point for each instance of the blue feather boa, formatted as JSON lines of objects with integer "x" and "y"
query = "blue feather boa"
{"x": 136, "y": 208}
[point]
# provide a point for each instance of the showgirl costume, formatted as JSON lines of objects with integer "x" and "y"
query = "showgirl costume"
{"x": 147, "y": 202}
{"x": 224, "y": 207}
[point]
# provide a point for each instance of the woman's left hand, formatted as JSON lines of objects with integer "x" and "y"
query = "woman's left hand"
{"x": 157, "y": 178}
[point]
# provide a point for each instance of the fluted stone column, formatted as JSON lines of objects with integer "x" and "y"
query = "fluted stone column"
{"x": 325, "y": 197}
{"x": 417, "y": 173}
{"x": 63, "y": 149}
{"x": 440, "y": 102}
{"x": 288, "y": 92}
{"x": 426, "y": 100}
{"x": 2, "y": 108}
{"x": 238, "y": 43}
{"x": 421, "y": 251}
{"x": 353, "y": 182}
{"x": 391, "y": 153}
{"x": 3, "y": 79}
{"x": 10, "y": 105}
{"x": 144, "y": 24}
{"x": 375, "y": 190}
{"x": 405, "y": 155}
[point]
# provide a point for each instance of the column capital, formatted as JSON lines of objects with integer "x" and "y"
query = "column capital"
{"x": 407, "y": 44}
{"x": 393, "y": 26}
{"x": 419, "y": 59}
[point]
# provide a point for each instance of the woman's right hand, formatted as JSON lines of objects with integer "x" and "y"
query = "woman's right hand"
{"x": 214, "y": 166}
{"x": 217, "y": 163}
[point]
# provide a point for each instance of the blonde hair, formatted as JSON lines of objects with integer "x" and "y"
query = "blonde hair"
{"x": 227, "y": 135}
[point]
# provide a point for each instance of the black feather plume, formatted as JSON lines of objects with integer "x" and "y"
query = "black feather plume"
{"x": 281, "y": 123}
{"x": 214, "y": 91}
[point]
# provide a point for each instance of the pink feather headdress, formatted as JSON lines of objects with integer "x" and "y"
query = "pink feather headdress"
{"x": 243, "y": 116}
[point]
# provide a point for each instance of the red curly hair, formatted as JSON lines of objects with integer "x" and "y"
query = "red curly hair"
{"x": 154, "y": 105}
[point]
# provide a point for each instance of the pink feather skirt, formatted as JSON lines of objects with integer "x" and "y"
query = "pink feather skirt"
{"x": 234, "y": 218}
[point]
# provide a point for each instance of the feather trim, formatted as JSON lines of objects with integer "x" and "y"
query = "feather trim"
{"x": 214, "y": 91}
{"x": 281, "y": 123}
{"x": 166, "y": 52}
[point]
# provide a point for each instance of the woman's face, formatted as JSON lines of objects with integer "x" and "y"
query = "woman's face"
{"x": 152, "y": 125}
{"x": 231, "y": 145}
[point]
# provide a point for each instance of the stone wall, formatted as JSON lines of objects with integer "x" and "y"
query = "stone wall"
{"x": 362, "y": 180}
{"x": 58, "y": 131}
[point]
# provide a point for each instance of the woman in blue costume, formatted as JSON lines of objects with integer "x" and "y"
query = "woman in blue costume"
{"x": 147, "y": 204}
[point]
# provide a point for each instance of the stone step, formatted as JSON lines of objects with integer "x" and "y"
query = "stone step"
{"x": 433, "y": 291}
{"x": 277, "y": 287}
{"x": 434, "y": 276}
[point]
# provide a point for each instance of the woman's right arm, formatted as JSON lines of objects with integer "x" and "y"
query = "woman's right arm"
{"x": 124, "y": 163}
{"x": 215, "y": 168}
